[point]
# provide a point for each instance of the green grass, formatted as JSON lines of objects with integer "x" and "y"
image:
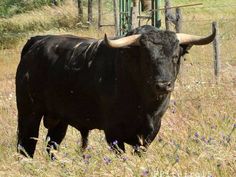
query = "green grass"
{"x": 8, "y": 8}
{"x": 45, "y": 20}
{"x": 197, "y": 137}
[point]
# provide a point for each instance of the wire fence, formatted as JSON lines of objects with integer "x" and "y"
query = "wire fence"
{"x": 201, "y": 72}
{"x": 215, "y": 6}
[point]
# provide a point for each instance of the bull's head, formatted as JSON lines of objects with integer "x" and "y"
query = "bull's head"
{"x": 161, "y": 52}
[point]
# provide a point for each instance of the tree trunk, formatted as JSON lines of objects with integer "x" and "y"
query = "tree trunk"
{"x": 80, "y": 10}
{"x": 90, "y": 11}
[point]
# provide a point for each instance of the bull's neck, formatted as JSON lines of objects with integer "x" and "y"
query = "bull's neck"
{"x": 162, "y": 103}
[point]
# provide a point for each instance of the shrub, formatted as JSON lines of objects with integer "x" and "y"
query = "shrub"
{"x": 9, "y": 8}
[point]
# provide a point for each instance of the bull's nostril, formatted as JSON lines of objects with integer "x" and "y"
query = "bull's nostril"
{"x": 164, "y": 86}
{"x": 168, "y": 84}
{"x": 169, "y": 88}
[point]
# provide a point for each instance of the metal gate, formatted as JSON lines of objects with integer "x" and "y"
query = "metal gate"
{"x": 130, "y": 16}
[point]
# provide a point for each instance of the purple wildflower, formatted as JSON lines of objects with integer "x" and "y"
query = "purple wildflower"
{"x": 124, "y": 159}
{"x": 196, "y": 135}
{"x": 88, "y": 147}
{"x": 107, "y": 160}
{"x": 203, "y": 138}
{"x": 234, "y": 126}
{"x": 144, "y": 173}
{"x": 209, "y": 140}
{"x": 177, "y": 159}
{"x": 86, "y": 158}
{"x": 115, "y": 142}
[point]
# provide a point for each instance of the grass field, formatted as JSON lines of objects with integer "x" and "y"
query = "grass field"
{"x": 198, "y": 133}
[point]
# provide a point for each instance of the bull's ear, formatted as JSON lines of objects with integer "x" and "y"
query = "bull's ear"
{"x": 184, "y": 48}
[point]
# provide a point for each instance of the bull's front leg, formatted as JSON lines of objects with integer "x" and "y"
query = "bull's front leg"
{"x": 115, "y": 144}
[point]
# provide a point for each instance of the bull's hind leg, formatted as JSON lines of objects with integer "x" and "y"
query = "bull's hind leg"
{"x": 84, "y": 138}
{"x": 28, "y": 128}
{"x": 56, "y": 133}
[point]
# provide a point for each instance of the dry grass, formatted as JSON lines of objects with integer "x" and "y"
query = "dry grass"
{"x": 197, "y": 137}
{"x": 61, "y": 19}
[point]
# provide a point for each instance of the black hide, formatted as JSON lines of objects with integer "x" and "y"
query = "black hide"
{"x": 67, "y": 80}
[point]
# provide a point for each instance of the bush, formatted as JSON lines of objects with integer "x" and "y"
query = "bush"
{"x": 9, "y": 8}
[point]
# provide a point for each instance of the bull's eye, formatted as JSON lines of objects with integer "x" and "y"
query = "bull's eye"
{"x": 175, "y": 59}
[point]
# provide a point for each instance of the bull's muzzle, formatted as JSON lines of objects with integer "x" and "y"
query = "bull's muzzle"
{"x": 164, "y": 86}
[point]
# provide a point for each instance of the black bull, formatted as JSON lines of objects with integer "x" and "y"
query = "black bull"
{"x": 120, "y": 86}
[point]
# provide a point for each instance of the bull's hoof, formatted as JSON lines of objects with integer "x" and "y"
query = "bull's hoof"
{"x": 139, "y": 150}
{"x": 22, "y": 151}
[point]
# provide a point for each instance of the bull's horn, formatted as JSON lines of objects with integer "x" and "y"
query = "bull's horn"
{"x": 195, "y": 40}
{"x": 123, "y": 42}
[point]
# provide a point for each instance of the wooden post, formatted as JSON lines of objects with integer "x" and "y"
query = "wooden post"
{"x": 134, "y": 14}
{"x": 80, "y": 9}
{"x": 99, "y": 13}
{"x": 178, "y": 18}
{"x": 90, "y": 11}
{"x": 216, "y": 48}
{"x": 167, "y": 6}
{"x": 134, "y": 17}
{"x": 116, "y": 19}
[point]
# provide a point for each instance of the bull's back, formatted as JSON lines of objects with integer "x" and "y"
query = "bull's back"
{"x": 30, "y": 43}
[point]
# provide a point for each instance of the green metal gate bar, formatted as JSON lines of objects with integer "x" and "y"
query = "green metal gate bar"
{"x": 125, "y": 14}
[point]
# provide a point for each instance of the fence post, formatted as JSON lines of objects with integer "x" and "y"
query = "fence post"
{"x": 216, "y": 48}
{"x": 178, "y": 25}
{"x": 99, "y": 14}
{"x": 134, "y": 15}
{"x": 116, "y": 17}
{"x": 167, "y": 22}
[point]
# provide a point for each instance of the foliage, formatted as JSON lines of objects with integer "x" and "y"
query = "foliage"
{"x": 9, "y": 8}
